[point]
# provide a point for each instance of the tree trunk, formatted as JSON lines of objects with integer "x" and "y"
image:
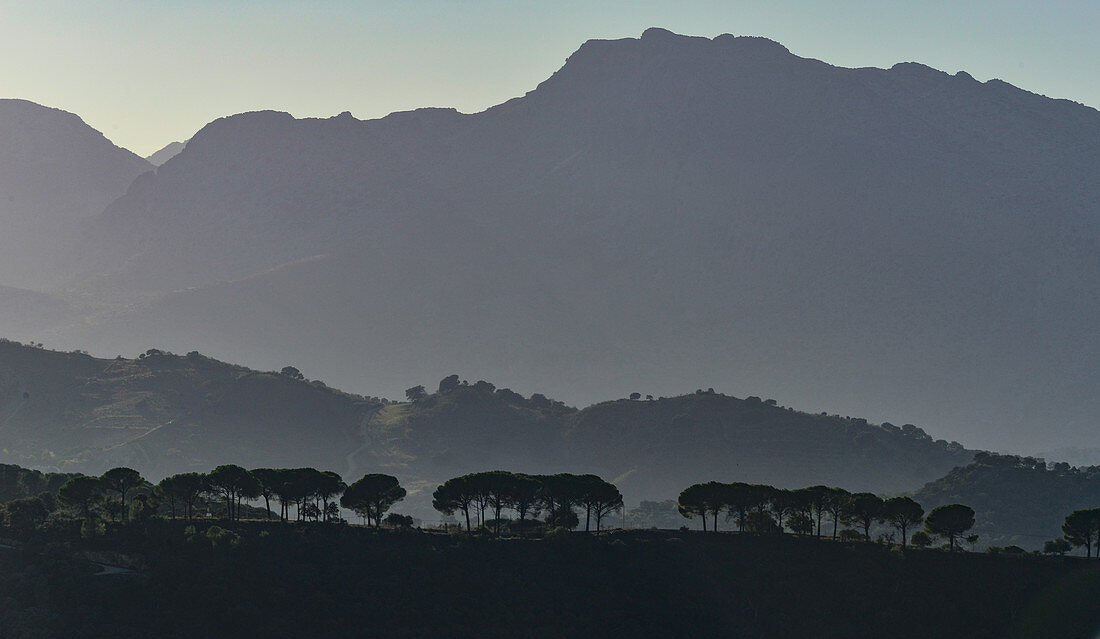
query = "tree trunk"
{"x": 587, "y": 516}
{"x": 715, "y": 521}
{"x": 466, "y": 510}
{"x": 704, "y": 522}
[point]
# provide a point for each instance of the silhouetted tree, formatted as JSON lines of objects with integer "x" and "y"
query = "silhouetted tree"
{"x": 416, "y": 393}
{"x": 692, "y": 502}
{"x": 292, "y": 372}
{"x": 329, "y": 485}
{"x": 447, "y": 384}
{"x": 838, "y": 499}
{"x": 816, "y": 501}
{"x": 232, "y": 483}
{"x": 269, "y": 479}
{"x": 863, "y": 510}
{"x": 599, "y": 498}
{"x": 1080, "y": 528}
{"x": 374, "y": 493}
{"x": 1057, "y": 547}
{"x": 921, "y": 539}
{"x": 80, "y": 493}
{"x": 183, "y": 489}
{"x": 949, "y": 521}
{"x": 122, "y": 481}
{"x": 901, "y": 513}
{"x": 454, "y": 494}
{"x": 24, "y": 515}
{"x": 523, "y": 495}
{"x": 740, "y": 499}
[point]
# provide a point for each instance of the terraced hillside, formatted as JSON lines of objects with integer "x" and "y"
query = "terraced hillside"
{"x": 165, "y": 413}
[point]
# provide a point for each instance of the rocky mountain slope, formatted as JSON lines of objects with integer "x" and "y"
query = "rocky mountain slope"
{"x": 662, "y": 213}
{"x": 55, "y": 171}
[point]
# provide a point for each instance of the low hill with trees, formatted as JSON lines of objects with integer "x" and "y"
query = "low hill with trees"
{"x": 164, "y": 413}
{"x": 1019, "y": 501}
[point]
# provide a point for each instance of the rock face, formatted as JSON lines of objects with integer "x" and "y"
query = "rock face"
{"x": 55, "y": 171}
{"x": 662, "y": 213}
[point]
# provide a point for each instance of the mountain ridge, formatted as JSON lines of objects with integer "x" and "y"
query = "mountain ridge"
{"x": 660, "y": 213}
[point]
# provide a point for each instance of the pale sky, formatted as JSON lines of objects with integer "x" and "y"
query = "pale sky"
{"x": 153, "y": 71}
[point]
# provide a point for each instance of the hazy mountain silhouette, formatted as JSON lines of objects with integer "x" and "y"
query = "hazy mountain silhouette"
{"x": 54, "y": 171}
{"x": 166, "y": 153}
{"x": 661, "y": 213}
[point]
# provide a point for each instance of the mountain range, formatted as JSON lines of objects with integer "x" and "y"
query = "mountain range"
{"x": 664, "y": 212}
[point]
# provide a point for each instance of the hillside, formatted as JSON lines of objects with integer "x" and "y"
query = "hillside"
{"x": 55, "y": 172}
{"x": 664, "y": 212}
{"x": 670, "y": 443}
{"x": 165, "y": 413}
{"x": 650, "y": 449}
{"x": 1017, "y": 500}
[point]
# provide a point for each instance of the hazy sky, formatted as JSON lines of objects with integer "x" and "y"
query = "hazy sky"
{"x": 153, "y": 71}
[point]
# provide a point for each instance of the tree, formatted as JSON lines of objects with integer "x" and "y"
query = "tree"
{"x": 329, "y": 485}
{"x": 374, "y": 493}
{"x": 394, "y": 520}
{"x": 1057, "y": 547}
{"x": 233, "y": 482}
{"x": 692, "y": 502}
{"x": 454, "y": 494}
{"x": 836, "y": 507}
{"x": 269, "y": 479}
{"x": 921, "y": 539}
{"x": 183, "y": 489}
{"x": 949, "y": 521}
{"x": 740, "y": 499}
{"x": 446, "y": 385}
{"x": 817, "y": 500}
{"x": 24, "y": 515}
{"x": 292, "y": 373}
{"x": 901, "y": 513}
{"x": 635, "y": 396}
{"x": 416, "y": 393}
{"x": 523, "y": 495}
{"x": 80, "y": 493}
{"x": 863, "y": 510}
{"x": 599, "y": 499}
{"x": 1080, "y": 528}
{"x": 801, "y": 523}
{"x": 122, "y": 481}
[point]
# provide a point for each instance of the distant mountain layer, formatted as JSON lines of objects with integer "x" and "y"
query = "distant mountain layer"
{"x": 165, "y": 413}
{"x": 166, "y": 153}
{"x": 55, "y": 171}
{"x": 1017, "y": 500}
{"x": 662, "y": 213}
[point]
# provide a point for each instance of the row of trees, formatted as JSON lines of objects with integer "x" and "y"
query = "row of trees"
{"x": 312, "y": 493}
{"x": 528, "y": 496}
{"x": 761, "y": 508}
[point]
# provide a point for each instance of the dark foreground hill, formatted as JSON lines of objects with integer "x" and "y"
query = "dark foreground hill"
{"x": 294, "y": 581}
{"x": 664, "y": 212}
